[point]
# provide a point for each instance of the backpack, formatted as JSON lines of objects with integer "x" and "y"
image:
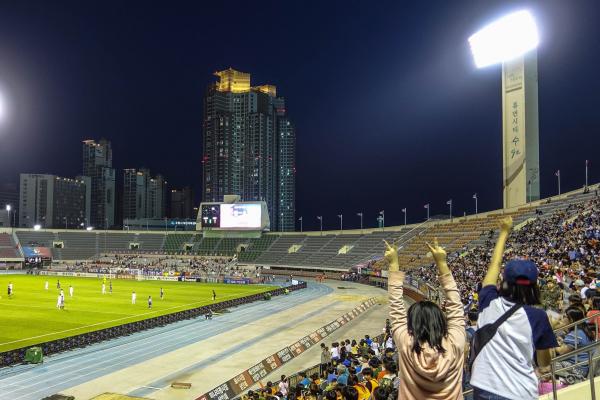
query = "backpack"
{"x": 483, "y": 335}
{"x": 389, "y": 383}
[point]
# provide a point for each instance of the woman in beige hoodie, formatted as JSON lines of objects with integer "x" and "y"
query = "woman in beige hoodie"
{"x": 431, "y": 344}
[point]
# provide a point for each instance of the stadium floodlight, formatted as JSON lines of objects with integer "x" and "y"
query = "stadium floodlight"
{"x": 89, "y": 228}
{"x": 8, "y": 207}
{"x": 37, "y": 227}
{"x": 504, "y": 39}
{"x": 2, "y": 107}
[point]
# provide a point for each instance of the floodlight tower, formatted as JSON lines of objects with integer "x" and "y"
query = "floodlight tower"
{"x": 512, "y": 40}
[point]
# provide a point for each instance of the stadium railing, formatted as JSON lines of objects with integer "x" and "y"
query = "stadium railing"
{"x": 16, "y": 356}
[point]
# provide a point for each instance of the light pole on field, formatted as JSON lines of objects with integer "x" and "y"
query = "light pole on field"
{"x": 320, "y": 218}
{"x": 360, "y": 214}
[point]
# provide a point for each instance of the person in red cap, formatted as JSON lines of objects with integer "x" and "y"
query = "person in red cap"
{"x": 503, "y": 365}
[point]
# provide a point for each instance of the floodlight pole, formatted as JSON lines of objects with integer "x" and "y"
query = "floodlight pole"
{"x": 404, "y": 211}
{"x": 341, "y": 216}
{"x": 586, "y": 172}
{"x": 512, "y": 40}
{"x": 360, "y": 214}
{"x": 300, "y": 219}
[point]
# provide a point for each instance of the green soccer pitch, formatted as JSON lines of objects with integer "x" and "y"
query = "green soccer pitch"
{"x": 30, "y": 315}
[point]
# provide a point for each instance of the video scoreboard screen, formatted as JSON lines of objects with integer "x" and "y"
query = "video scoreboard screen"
{"x": 232, "y": 216}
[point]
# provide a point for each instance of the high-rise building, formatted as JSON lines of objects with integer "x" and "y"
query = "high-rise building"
{"x": 249, "y": 146}
{"x": 54, "y": 202}
{"x": 182, "y": 203}
{"x": 97, "y": 164}
{"x": 144, "y": 196}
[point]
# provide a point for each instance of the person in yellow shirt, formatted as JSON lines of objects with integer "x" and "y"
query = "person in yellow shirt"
{"x": 363, "y": 392}
{"x": 370, "y": 383}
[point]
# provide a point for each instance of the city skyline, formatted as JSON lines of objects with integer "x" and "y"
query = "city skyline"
{"x": 373, "y": 92}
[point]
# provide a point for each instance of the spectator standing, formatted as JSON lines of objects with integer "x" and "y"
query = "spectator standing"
{"x": 430, "y": 344}
{"x": 504, "y": 368}
{"x": 284, "y": 385}
{"x": 325, "y": 359}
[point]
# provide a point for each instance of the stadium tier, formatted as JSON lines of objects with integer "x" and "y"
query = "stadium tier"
{"x": 332, "y": 250}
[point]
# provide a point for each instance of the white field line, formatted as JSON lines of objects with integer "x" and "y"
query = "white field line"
{"x": 120, "y": 319}
{"x": 52, "y": 308}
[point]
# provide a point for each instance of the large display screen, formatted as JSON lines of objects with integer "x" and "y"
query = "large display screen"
{"x": 211, "y": 215}
{"x": 240, "y": 216}
{"x": 232, "y": 216}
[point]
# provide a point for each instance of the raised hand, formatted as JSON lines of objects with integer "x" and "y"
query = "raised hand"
{"x": 439, "y": 255}
{"x": 437, "y": 251}
{"x": 506, "y": 224}
{"x": 391, "y": 255}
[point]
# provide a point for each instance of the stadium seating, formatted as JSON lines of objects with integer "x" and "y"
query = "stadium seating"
{"x": 331, "y": 251}
{"x": 8, "y": 247}
{"x": 175, "y": 242}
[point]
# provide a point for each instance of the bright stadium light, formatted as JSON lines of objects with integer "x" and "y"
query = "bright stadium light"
{"x": 2, "y": 107}
{"x": 512, "y": 41}
{"x": 89, "y": 228}
{"x": 37, "y": 227}
{"x": 504, "y": 39}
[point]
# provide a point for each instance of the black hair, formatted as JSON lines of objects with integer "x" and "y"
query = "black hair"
{"x": 330, "y": 395}
{"x": 575, "y": 314}
{"x": 380, "y": 393}
{"x": 521, "y": 294}
{"x": 473, "y": 315}
{"x": 596, "y": 303}
{"x": 427, "y": 324}
{"x": 350, "y": 393}
{"x": 367, "y": 371}
{"x": 352, "y": 380}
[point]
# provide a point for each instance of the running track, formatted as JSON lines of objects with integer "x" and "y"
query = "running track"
{"x": 72, "y": 368}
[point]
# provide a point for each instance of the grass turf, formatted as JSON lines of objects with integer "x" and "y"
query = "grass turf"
{"x": 30, "y": 315}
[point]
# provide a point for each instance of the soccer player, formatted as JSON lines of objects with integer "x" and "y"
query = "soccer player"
{"x": 162, "y": 294}
{"x": 214, "y": 295}
{"x": 62, "y": 300}
{"x": 103, "y": 288}
{"x": 58, "y": 302}
{"x": 62, "y": 293}
{"x": 58, "y": 283}
{"x": 110, "y": 287}
{"x": 133, "y": 297}
{"x": 70, "y": 290}
{"x": 10, "y": 289}
{"x": 46, "y": 285}
{"x": 149, "y": 301}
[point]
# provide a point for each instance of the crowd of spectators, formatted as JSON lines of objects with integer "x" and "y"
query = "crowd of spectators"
{"x": 564, "y": 245}
{"x": 206, "y": 268}
{"x": 357, "y": 369}
{"x": 550, "y": 282}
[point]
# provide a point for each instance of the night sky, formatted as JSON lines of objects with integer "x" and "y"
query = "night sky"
{"x": 389, "y": 109}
